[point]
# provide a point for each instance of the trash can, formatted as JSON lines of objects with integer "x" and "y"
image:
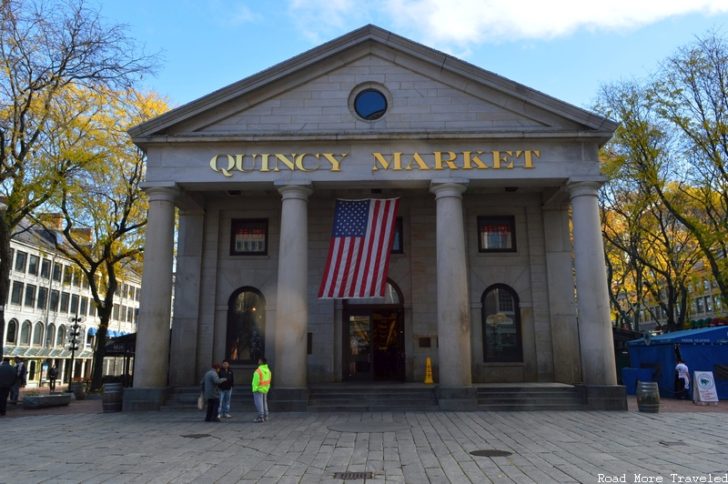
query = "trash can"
{"x": 112, "y": 397}
{"x": 648, "y": 396}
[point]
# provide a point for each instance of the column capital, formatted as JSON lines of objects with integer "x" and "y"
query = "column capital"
{"x": 299, "y": 191}
{"x": 162, "y": 193}
{"x": 448, "y": 187}
{"x": 586, "y": 188}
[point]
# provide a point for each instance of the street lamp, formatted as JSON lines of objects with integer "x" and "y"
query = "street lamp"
{"x": 73, "y": 341}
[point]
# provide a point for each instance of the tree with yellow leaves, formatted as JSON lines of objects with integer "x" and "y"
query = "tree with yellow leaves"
{"x": 104, "y": 199}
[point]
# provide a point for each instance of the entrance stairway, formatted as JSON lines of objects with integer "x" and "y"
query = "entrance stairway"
{"x": 368, "y": 397}
{"x": 529, "y": 397}
{"x": 350, "y": 397}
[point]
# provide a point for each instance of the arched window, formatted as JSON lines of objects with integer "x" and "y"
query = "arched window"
{"x": 12, "y": 335}
{"x": 38, "y": 334}
{"x": 246, "y": 326}
{"x": 25, "y": 333}
{"x": 50, "y": 335}
{"x": 61, "y": 339}
{"x": 501, "y": 325}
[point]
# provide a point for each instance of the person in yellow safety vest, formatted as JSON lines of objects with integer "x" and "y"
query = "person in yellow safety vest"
{"x": 261, "y": 385}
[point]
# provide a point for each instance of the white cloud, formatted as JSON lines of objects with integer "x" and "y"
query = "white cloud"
{"x": 467, "y": 22}
{"x": 231, "y": 13}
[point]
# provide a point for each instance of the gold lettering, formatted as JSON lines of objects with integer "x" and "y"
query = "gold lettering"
{"x": 225, "y": 171}
{"x": 301, "y": 157}
{"x": 335, "y": 164}
{"x": 239, "y": 159}
{"x": 505, "y": 157}
{"x": 396, "y": 161}
{"x": 264, "y": 166}
{"x": 528, "y": 159}
{"x": 290, "y": 163}
{"x": 450, "y": 161}
{"x": 420, "y": 162}
{"x": 468, "y": 156}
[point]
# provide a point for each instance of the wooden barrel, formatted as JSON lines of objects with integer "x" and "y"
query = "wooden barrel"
{"x": 648, "y": 396}
{"x": 78, "y": 389}
{"x": 112, "y": 397}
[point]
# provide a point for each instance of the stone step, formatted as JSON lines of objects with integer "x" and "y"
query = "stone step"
{"x": 529, "y": 398}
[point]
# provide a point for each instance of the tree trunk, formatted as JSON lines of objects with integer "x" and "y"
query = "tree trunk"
{"x": 5, "y": 265}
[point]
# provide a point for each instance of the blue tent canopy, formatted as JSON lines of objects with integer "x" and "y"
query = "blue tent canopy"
{"x": 704, "y": 349}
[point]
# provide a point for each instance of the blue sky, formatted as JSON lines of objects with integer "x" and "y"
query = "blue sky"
{"x": 565, "y": 48}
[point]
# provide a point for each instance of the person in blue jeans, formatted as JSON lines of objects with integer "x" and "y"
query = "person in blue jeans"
{"x": 226, "y": 389}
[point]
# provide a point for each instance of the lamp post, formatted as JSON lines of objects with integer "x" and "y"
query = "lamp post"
{"x": 73, "y": 336}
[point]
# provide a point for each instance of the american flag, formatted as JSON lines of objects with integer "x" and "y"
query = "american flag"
{"x": 361, "y": 242}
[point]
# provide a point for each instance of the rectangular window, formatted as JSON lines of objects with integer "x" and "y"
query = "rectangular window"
{"x": 33, "y": 263}
{"x": 128, "y": 314}
{"x": 708, "y": 304}
{"x": 42, "y": 297}
{"x": 74, "y": 304}
{"x": 45, "y": 269}
{"x": 57, "y": 272}
{"x": 249, "y": 237}
{"x": 137, "y": 293}
{"x": 699, "y": 305}
{"x": 84, "y": 306}
{"x": 497, "y": 234}
{"x": 55, "y": 299}
{"x": 65, "y": 298}
{"x": 115, "y": 313}
{"x": 77, "y": 274}
{"x": 30, "y": 296}
{"x": 706, "y": 284}
{"x": 718, "y": 303}
{"x": 21, "y": 258}
{"x": 398, "y": 242}
{"x": 17, "y": 295}
{"x": 67, "y": 275}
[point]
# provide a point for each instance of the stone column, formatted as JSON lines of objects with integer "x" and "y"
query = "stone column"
{"x": 562, "y": 306}
{"x": 152, "y": 343}
{"x": 185, "y": 326}
{"x": 595, "y": 329}
{"x": 291, "y": 319}
{"x": 453, "y": 309}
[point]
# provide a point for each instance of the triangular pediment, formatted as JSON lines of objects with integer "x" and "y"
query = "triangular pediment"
{"x": 428, "y": 92}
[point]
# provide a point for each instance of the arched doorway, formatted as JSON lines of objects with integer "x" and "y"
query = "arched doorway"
{"x": 245, "y": 326}
{"x": 373, "y": 338}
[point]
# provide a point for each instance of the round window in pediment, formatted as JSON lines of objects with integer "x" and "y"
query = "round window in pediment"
{"x": 370, "y": 104}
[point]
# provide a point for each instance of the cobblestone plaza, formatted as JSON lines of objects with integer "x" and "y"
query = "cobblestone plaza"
{"x": 412, "y": 447}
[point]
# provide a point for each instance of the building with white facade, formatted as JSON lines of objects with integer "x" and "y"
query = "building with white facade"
{"x": 46, "y": 291}
{"x": 483, "y": 278}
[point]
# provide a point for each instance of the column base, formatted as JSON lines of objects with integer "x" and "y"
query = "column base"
{"x": 144, "y": 399}
{"x": 288, "y": 399}
{"x": 603, "y": 397}
{"x": 459, "y": 399}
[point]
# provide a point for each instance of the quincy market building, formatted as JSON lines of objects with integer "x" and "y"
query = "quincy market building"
{"x": 482, "y": 276}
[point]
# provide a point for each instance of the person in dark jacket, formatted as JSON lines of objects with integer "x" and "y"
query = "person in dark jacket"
{"x": 52, "y": 376}
{"x": 211, "y": 392}
{"x": 22, "y": 374}
{"x": 8, "y": 375}
{"x": 226, "y": 389}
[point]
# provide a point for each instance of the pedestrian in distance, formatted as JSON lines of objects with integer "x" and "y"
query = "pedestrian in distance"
{"x": 22, "y": 373}
{"x": 8, "y": 375}
{"x": 52, "y": 376}
{"x": 226, "y": 389}
{"x": 211, "y": 392}
{"x": 682, "y": 380}
{"x": 261, "y": 386}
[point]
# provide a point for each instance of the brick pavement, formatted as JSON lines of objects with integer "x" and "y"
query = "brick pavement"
{"x": 176, "y": 446}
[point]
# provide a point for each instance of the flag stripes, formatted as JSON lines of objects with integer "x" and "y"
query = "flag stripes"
{"x": 361, "y": 241}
